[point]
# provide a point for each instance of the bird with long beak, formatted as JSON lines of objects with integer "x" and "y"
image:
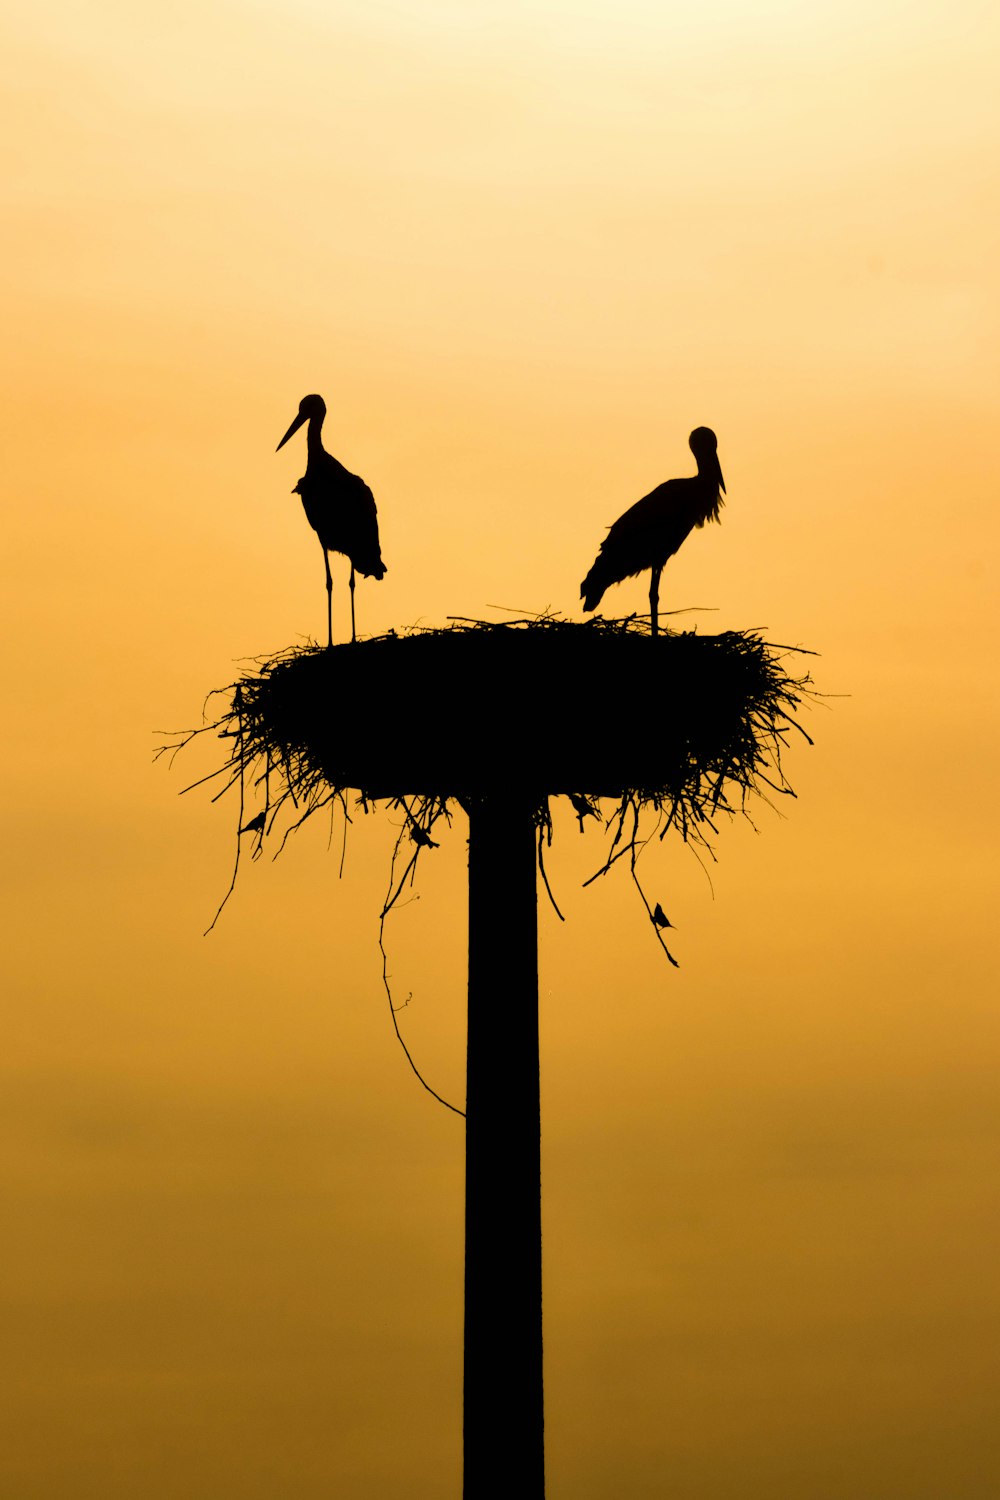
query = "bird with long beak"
{"x": 339, "y": 507}
{"x": 652, "y": 529}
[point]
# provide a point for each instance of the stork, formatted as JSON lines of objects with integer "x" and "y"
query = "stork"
{"x": 652, "y": 529}
{"x": 339, "y": 507}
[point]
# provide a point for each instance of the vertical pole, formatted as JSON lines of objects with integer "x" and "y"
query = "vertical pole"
{"x": 503, "y": 1419}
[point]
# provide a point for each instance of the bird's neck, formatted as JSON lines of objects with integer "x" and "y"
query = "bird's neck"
{"x": 711, "y": 491}
{"x": 314, "y": 436}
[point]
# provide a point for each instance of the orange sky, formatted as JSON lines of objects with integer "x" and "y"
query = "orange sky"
{"x": 521, "y": 250}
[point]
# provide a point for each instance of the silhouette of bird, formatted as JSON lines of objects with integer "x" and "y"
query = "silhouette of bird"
{"x": 339, "y": 507}
{"x": 654, "y": 527}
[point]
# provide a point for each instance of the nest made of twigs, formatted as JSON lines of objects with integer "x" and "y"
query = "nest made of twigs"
{"x": 688, "y": 724}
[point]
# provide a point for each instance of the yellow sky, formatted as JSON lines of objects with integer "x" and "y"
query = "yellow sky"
{"x": 521, "y": 250}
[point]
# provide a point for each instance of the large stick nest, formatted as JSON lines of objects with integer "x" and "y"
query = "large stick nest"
{"x": 687, "y": 724}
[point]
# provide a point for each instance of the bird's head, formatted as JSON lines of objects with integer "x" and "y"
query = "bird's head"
{"x": 311, "y": 408}
{"x": 705, "y": 445}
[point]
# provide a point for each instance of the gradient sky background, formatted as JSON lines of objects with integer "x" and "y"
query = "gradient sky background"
{"x": 521, "y": 249}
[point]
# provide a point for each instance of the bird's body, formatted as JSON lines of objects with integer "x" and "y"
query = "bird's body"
{"x": 652, "y": 529}
{"x": 339, "y": 506}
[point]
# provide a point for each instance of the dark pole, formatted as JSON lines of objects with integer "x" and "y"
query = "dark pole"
{"x": 503, "y": 1428}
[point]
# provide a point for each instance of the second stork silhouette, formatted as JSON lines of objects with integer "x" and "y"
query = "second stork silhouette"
{"x": 654, "y": 527}
{"x": 339, "y": 507}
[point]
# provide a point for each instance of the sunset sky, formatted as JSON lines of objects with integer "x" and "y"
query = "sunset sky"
{"x": 521, "y": 250}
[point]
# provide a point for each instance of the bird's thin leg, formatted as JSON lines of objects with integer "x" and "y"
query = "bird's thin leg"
{"x": 351, "y": 587}
{"x": 329, "y": 598}
{"x": 654, "y": 600}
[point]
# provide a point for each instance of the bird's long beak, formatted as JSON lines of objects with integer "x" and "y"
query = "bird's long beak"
{"x": 718, "y": 470}
{"x": 294, "y": 428}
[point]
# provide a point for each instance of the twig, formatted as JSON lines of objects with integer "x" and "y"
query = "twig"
{"x": 391, "y": 899}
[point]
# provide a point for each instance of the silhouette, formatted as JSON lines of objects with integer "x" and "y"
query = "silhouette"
{"x": 339, "y": 507}
{"x": 288, "y": 737}
{"x": 654, "y": 527}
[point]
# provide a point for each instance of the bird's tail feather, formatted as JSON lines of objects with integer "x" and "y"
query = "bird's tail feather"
{"x": 369, "y": 563}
